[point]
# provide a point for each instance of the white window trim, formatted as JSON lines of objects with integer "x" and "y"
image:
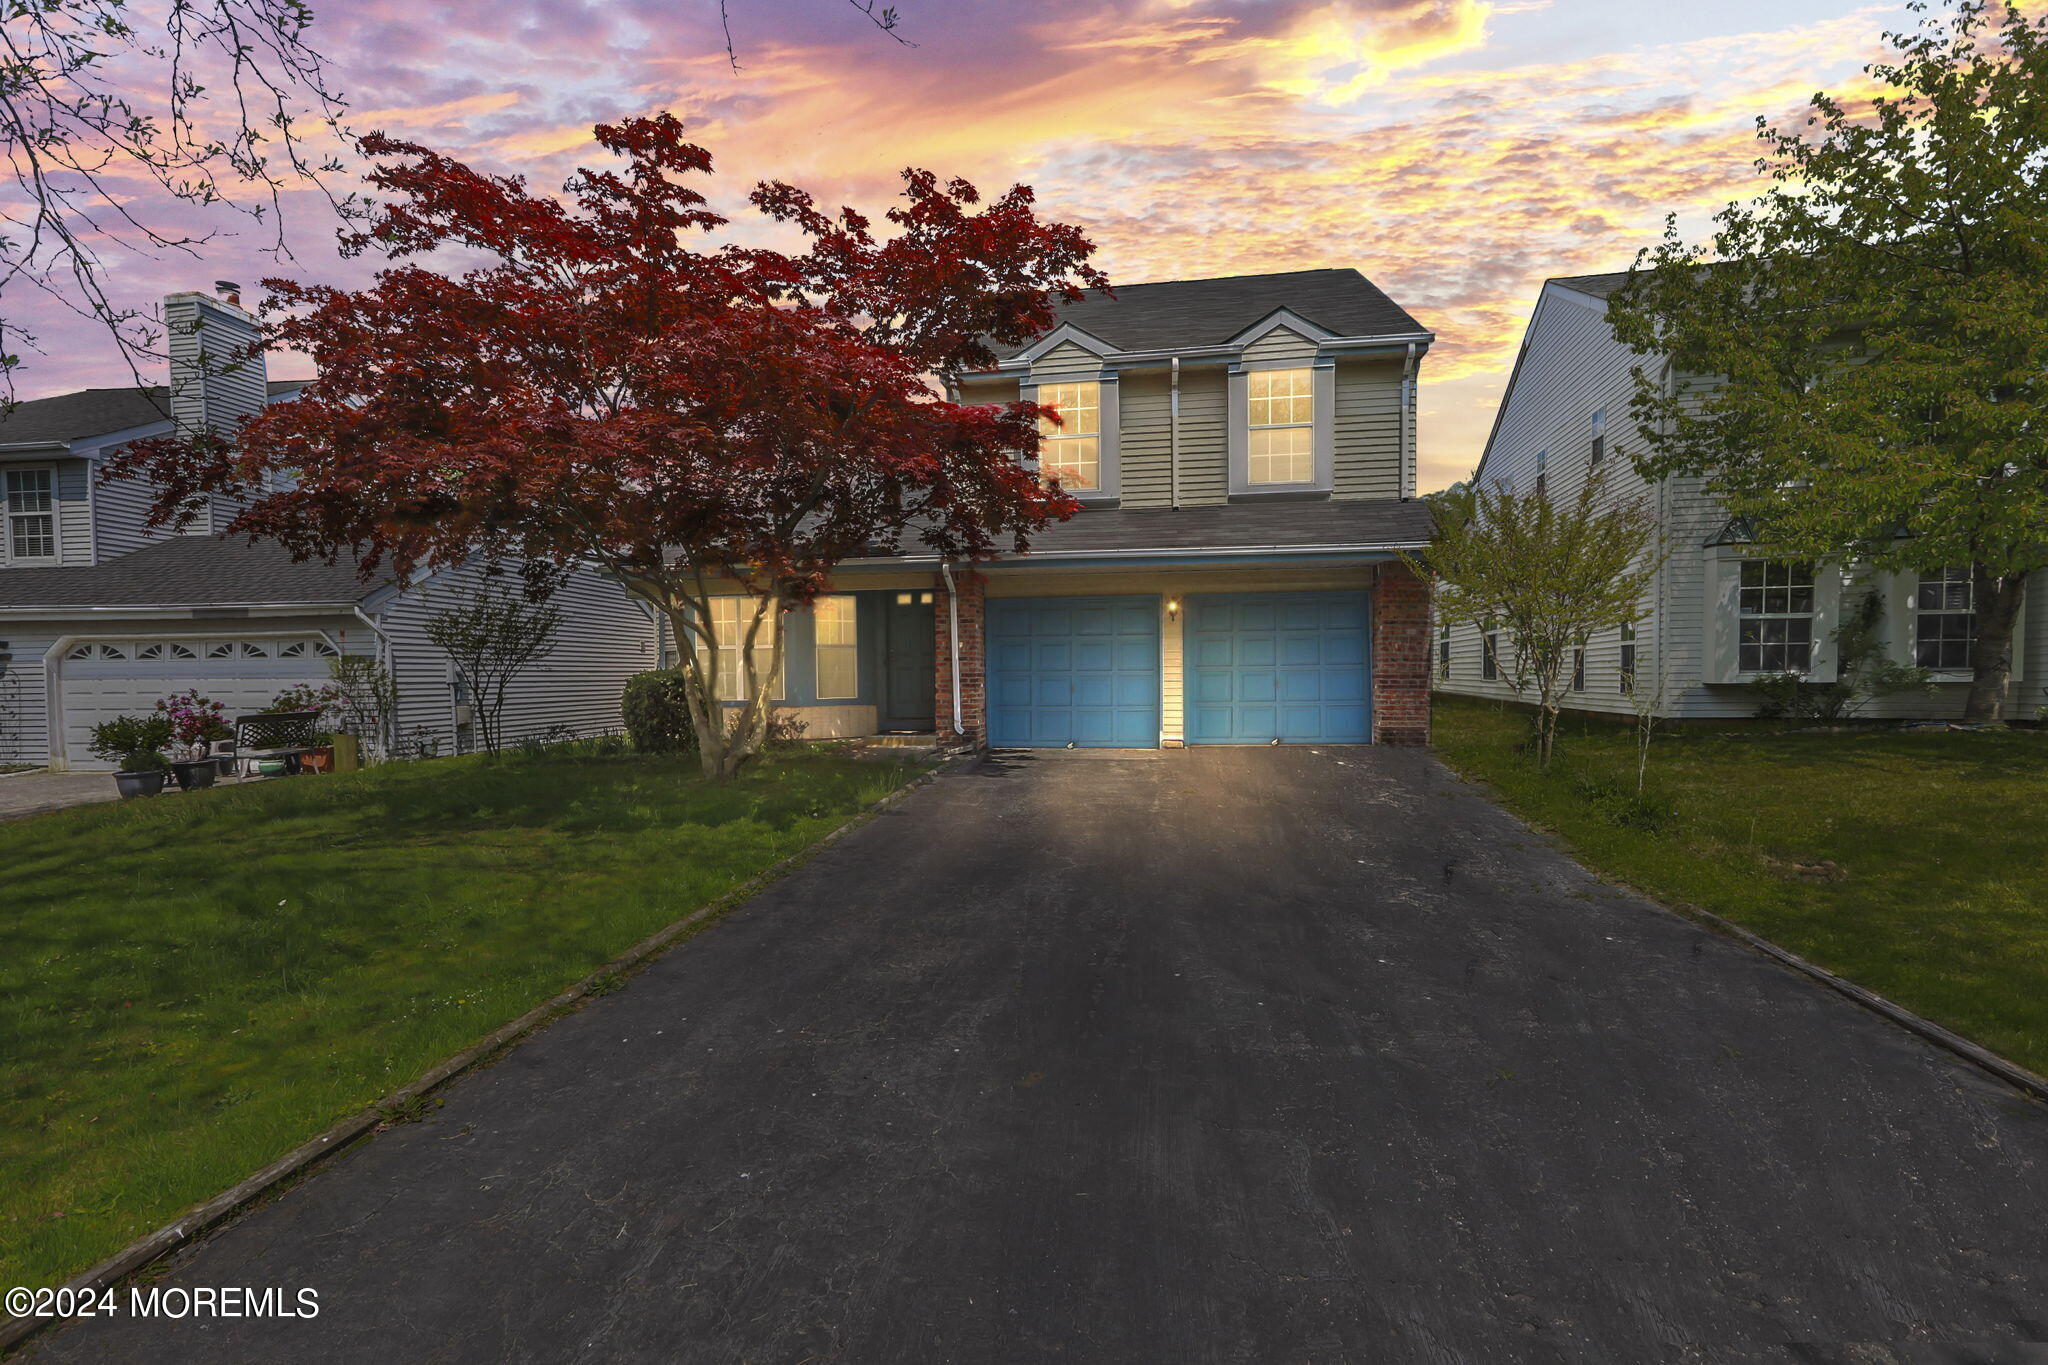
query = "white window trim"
{"x": 1323, "y": 397}
{"x": 7, "y": 515}
{"x": 742, "y": 616}
{"x": 1722, "y": 607}
{"x": 1108, "y": 490}
{"x": 818, "y": 648}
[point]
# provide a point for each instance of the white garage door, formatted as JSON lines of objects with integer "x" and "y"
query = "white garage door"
{"x": 102, "y": 679}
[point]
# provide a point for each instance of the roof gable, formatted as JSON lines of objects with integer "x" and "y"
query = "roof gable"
{"x": 1184, "y": 314}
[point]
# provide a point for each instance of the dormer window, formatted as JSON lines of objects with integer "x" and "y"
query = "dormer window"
{"x": 1071, "y": 450}
{"x": 1282, "y": 427}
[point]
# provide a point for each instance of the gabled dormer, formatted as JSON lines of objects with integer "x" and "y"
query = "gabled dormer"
{"x": 1252, "y": 388}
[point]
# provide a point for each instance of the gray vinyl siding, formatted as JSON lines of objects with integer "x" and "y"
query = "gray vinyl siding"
{"x": 1147, "y": 438}
{"x": 1368, "y": 437}
{"x": 74, "y": 512}
{"x": 605, "y": 639}
{"x": 1572, "y": 367}
{"x": 1281, "y": 344}
{"x": 121, "y": 515}
{"x": 24, "y": 698}
{"x": 1065, "y": 362}
{"x": 1204, "y": 436}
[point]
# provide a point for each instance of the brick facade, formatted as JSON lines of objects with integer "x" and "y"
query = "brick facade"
{"x": 1400, "y": 657}
{"x": 973, "y": 710}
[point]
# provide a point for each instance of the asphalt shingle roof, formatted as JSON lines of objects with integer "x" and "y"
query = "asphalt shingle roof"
{"x": 188, "y": 571}
{"x": 1171, "y": 313}
{"x": 1599, "y": 286}
{"x": 1343, "y": 523}
{"x": 94, "y": 412}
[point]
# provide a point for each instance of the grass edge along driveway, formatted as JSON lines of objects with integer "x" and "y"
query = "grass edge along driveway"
{"x": 1913, "y": 863}
{"x": 190, "y": 987}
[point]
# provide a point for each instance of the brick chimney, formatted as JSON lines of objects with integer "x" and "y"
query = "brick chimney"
{"x": 217, "y": 371}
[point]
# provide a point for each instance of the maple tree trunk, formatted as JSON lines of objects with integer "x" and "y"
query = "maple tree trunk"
{"x": 1998, "y": 601}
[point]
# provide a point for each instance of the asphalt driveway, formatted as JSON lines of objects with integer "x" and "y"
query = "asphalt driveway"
{"x": 1217, "y": 1055}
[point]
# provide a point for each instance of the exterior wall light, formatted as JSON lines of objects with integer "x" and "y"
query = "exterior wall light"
{"x": 1173, "y": 606}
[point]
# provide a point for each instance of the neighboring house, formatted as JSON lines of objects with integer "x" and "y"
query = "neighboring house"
{"x": 1721, "y": 612}
{"x": 1244, "y": 449}
{"x": 100, "y": 615}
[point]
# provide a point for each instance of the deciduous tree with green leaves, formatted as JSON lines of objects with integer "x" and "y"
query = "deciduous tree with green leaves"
{"x": 1545, "y": 574}
{"x": 1858, "y": 358}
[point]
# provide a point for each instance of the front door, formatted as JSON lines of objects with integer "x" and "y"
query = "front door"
{"x": 909, "y": 662}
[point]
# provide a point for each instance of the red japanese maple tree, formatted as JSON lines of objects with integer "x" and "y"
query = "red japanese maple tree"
{"x": 598, "y": 386}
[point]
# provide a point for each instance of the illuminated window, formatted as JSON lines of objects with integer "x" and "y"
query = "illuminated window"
{"x": 730, "y": 619}
{"x": 838, "y": 652}
{"x": 1282, "y": 427}
{"x": 1071, "y": 451}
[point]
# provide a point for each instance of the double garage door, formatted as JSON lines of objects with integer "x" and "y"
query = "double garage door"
{"x": 1257, "y": 667}
{"x": 102, "y": 679}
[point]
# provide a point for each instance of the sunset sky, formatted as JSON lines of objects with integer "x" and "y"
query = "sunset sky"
{"x": 1456, "y": 151}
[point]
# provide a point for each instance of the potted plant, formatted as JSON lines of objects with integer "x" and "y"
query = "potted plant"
{"x": 142, "y": 773}
{"x": 319, "y": 758}
{"x": 195, "y": 722}
{"x": 134, "y": 745}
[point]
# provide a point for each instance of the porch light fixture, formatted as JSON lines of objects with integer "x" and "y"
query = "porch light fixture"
{"x": 1173, "y": 606}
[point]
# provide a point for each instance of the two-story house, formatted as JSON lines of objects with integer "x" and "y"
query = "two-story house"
{"x": 1722, "y": 610}
{"x": 100, "y": 615}
{"x": 1244, "y": 450}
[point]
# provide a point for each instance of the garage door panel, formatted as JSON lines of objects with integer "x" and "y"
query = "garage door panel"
{"x": 1288, "y": 666}
{"x": 99, "y": 681}
{"x": 1090, "y": 667}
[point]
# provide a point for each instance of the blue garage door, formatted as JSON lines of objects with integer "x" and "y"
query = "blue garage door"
{"x": 1289, "y": 666}
{"x": 1083, "y": 670}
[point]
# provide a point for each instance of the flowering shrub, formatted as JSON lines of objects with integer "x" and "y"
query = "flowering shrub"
{"x": 193, "y": 719}
{"x": 307, "y": 697}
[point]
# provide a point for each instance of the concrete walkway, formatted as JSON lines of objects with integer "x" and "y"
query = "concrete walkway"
{"x": 33, "y": 793}
{"x": 1221, "y": 1055}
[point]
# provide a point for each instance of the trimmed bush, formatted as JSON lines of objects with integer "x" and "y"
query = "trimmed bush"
{"x": 656, "y": 710}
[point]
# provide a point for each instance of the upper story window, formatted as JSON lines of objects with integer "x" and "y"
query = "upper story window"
{"x": 1597, "y": 446}
{"x": 836, "y": 621}
{"x": 1944, "y": 619}
{"x": 1776, "y": 607}
{"x": 1071, "y": 451}
{"x": 1282, "y": 445}
{"x": 31, "y": 514}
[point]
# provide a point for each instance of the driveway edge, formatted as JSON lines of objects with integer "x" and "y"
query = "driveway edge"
{"x": 2012, "y": 1073}
{"x": 300, "y": 1160}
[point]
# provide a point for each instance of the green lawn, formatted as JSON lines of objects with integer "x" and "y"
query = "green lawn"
{"x": 191, "y": 986}
{"x": 1939, "y": 899}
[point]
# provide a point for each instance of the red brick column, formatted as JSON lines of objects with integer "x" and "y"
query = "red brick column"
{"x": 973, "y": 715}
{"x": 1400, "y": 657}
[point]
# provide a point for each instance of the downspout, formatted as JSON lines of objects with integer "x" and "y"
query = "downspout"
{"x": 1173, "y": 434}
{"x": 1408, "y": 424}
{"x": 953, "y": 642}
{"x": 387, "y": 739}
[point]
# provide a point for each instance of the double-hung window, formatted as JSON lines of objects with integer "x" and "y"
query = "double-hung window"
{"x": 1775, "y": 632}
{"x": 1944, "y": 619}
{"x": 1579, "y": 669}
{"x": 730, "y": 618}
{"x": 1628, "y": 659}
{"x": 1597, "y": 445}
{"x": 1281, "y": 428}
{"x": 836, "y": 621}
{"x": 1443, "y": 651}
{"x": 1071, "y": 450}
{"x": 31, "y": 514}
{"x": 1489, "y": 656}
